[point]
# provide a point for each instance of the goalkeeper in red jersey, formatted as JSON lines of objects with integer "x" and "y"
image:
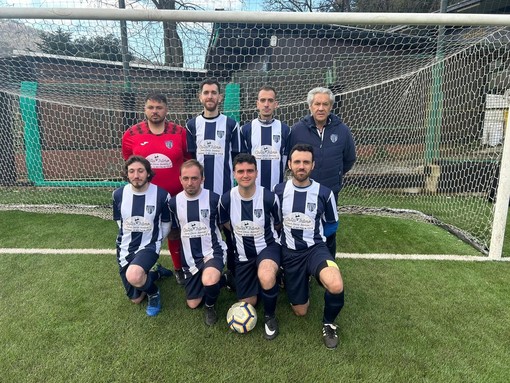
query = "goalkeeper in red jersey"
{"x": 163, "y": 143}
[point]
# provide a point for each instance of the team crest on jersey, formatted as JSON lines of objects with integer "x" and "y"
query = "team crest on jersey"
{"x": 311, "y": 206}
{"x": 276, "y": 138}
{"x": 334, "y": 138}
{"x": 257, "y": 213}
{"x": 169, "y": 144}
{"x": 149, "y": 209}
{"x": 220, "y": 133}
{"x": 204, "y": 213}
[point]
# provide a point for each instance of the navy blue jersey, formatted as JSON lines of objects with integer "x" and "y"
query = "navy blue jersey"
{"x": 252, "y": 220}
{"x": 200, "y": 236}
{"x": 214, "y": 142}
{"x": 140, "y": 216}
{"x": 267, "y": 142}
{"x": 304, "y": 209}
{"x": 334, "y": 150}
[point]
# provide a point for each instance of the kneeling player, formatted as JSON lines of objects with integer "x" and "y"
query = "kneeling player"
{"x": 141, "y": 211}
{"x": 195, "y": 212}
{"x": 252, "y": 212}
{"x": 309, "y": 216}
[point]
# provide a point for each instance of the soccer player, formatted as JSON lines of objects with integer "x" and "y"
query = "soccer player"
{"x": 195, "y": 211}
{"x": 164, "y": 144}
{"x": 252, "y": 213}
{"x": 214, "y": 140}
{"x": 266, "y": 138}
{"x": 333, "y": 145}
{"x": 309, "y": 216}
{"x": 141, "y": 211}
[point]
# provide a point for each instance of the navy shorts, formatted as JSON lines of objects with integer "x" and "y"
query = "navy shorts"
{"x": 194, "y": 286}
{"x": 145, "y": 258}
{"x": 298, "y": 265}
{"x": 247, "y": 282}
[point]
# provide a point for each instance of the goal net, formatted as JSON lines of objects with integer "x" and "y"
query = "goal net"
{"x": 426, "y": 105}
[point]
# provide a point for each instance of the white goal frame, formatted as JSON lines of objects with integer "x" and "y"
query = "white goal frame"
{"x": 503, "y": 189}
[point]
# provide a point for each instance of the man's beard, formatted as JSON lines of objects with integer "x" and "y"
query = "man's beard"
{"x": 301, "y": 176}
{"x": 156, "y": 119}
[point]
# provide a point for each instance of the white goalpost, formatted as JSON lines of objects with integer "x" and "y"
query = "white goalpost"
{"x": 425, "y": 96}
{"x": 502, "y": 200}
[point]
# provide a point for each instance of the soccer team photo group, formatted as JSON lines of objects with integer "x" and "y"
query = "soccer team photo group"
{"x": 254, "y": 191}
{"x": 251, "y": 208}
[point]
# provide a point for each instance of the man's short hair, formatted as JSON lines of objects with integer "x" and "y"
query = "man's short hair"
{"x": 320, "y": 90}
{"x": 244, "y": 158}
{"x": 210, "y": 81}
{"x": 267, "y": 88}
{"x": 145, "y": 162}
{"x": 158, "y": 97}
{"x": 190, "y": 164}
{"x": 302, "y": 148}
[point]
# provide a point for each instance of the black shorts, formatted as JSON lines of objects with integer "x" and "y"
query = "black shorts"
{"x": 298, "y": 266}
{"x": 194, "y": 286}
{"x": 145, "y": 259}
{"x": 247, "y": 282}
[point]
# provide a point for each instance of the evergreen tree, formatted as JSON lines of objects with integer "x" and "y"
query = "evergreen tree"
{"x": 61, "y": 43}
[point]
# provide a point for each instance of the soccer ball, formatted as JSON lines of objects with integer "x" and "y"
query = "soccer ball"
{"x": 241, "y": 317}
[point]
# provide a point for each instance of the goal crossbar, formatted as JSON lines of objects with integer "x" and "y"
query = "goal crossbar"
{"x": 339, "y": 18}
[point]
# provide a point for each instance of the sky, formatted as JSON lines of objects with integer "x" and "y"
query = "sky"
{"x": 206, "y": 4}
{"x": 194, "y": 48}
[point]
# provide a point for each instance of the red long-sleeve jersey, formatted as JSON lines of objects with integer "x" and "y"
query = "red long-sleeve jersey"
{"x": 166, "y": 152}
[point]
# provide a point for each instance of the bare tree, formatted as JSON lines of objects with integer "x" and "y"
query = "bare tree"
{"x": 419, "y": 6}
{"x": 298, "y": 5}
{"x": 172, "y": 42}
{"x": 174, "y": 55}
{"x": 351, "y": 5}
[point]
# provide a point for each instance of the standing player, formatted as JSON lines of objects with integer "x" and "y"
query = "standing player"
{"x": 309, "y": 216}
{"x": 266, "y": 138}
{"x": 214, "y": 140}
{"x": 333, "y": 145}
{"x": 195, "y": 211}
{"x": 164, "y": 144}
{"x": 141, "y": 211}
{"x": 252, "y": 212}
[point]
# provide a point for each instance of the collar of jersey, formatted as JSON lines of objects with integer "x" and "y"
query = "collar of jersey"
{"x": 303, "y": 187}
{"x": 266, "y": 122}
{"x": 210, "y": 118}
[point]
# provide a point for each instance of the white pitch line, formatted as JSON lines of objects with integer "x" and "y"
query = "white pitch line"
{"x": 425, "y": 257}
{"x": 57, "y": 251}
{"x": 413, "y": 257}
{"x": 64, "y": 251}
